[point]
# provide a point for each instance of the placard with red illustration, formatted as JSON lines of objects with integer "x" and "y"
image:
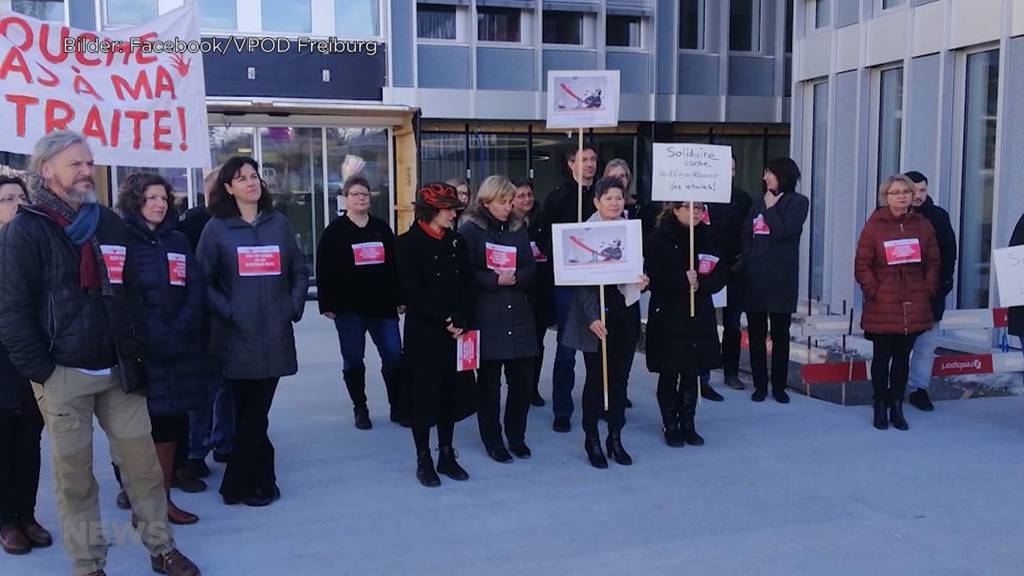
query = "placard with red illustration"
{"x": 114, "y": 257}
{"x": 467, "y": 351}
{"x": 902, "y": 251}
{"x": 177, "y": 271}
{"x": 259, "y": 261}
{"x": 368, "y": 253}
{"x": 500, "y": 258}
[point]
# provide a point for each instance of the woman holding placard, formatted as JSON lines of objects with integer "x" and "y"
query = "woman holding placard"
{"x": 897, "y": 266}
{"x": 169, "y": 285}
{"x": 503, "y": 272}
{"x": 525, "y": 206}
{"x": 256, "y": 287}
{"x": 681, "y": 346}
{"x": 357, "y": 286}
{"x": 771, "y": 268}
{"x": 437, "y": 283}
{"x": 620, "y": 331}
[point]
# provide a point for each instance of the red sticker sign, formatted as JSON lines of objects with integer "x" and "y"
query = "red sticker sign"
{"x": 368, "y": 253}
{"x": 259, "y": 261}
{"x": 706, "y": 263}
{"x": 538, "y": 256}
{"x": 500, "y": 258}
{"x": 760, "y": 226}
{"x": 114, "y": 257}
{"x": 467, "y": 351}
{"x": 964, "y": 364}
{"x": 177, "y": 270}
{"x": 903, "y": 251}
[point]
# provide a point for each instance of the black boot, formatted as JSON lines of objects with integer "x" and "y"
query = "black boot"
{"x": 881, "y": 418}
{"x": 355, "y": 381}
{"x": 687, "y": 414}
{"x": 707, "y": 392}
{"x": 392, "y": 381}
{"x": 449, "y": 466}
{"x": 615, "y": 449}
{"x": 670, "y": 423}
{"x": 896, "y": 409}
{"x": 425, "y": 469}
{"x": 592, "y": 444}
{"x": 760, "y": 393}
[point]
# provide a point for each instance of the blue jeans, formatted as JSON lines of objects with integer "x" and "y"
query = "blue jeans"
{"x": 564, "y": 377}
{"x": 923, "y": 359}
{"x": 352, "y": 328}
{"x": 213, "y": 427}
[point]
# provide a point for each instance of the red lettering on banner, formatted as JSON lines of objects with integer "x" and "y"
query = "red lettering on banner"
{"x": 159, "y": 130}
{"x": 51, "y": 81}
{"x": 81, "y": 85}
{"x": 963, "y": 364}
{"x": 44, "y": 47}
{"x": 20, "y": 102}
{"x": 14, "y": 61}
{"x": 115, "y": 129}
{"x": 141, "y": 85}
{"x": 93, "y": 127}
{"x": 184, "y": 130}
{"x": 142, "y": 57}
{"x": 52, "y": 121}
{"x": 80, "y": 54}
{"x": 26, "y": 30}
{"x": 136, "y": 116}
{"x": 164, "y": 83}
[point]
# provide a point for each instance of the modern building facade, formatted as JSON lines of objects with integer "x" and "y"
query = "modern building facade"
{"x": 455, "y": 88}
{"x": 887, "y": 86}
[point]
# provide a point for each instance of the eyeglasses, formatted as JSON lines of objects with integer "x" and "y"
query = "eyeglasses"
{"x": 903, "y": 192}
{"x": 358, "y": 194}
{"x": 21, "y": 199}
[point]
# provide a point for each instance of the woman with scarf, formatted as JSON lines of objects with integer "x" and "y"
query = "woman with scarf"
{"x": 620, "y": 331}
{"x": 172, "y": 290}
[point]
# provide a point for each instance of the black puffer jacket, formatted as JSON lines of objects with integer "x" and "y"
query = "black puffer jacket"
{"x": 46, "y": 319}
{"x": 14, "y": 388}
{"x": 540, "y": 293}
{"x": 946, "y": 238}
{"x": 179, "y": 370}
{"x": 503, "y": 313}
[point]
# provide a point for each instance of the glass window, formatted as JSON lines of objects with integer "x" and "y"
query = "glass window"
{"x": 356, "y": 18}
{"x": 789, "y": 26}
{"x": 49, "y": 10}
{"x": 886, "y": 4}
{"x": 819, "y": 186}
{"x": 287, "y": 15}
{"x": 218, "y": 14}
{"x": 691, "y": 24}
{"x": 176, "y": 177}
{"x": 442, "y": 156}
{"x": 504, "y": 154}
{"x": 624, "y": 31}
{"x": 978, "y": 183}
{"x": 822, "y": 13}
{"x": 436, "y": 21}
{"x": 890, "y": 123}
{"x": 128, "y": 12}
{"x": 292, "y": 167}
{"x": 563, "y": 27}
{"x": 370, "y": 145}
{"x": 498, "y": 24}
{"x": 745, "y": 25}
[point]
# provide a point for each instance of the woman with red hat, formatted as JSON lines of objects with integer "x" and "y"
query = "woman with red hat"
{"x": 436, "y": 279}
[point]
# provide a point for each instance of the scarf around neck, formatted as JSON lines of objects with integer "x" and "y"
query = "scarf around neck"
{"x": 80, "y": 227}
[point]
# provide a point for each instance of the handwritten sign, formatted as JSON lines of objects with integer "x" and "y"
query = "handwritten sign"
{"x": 583, "y": 98}
{"x": 1009, "y": 264}
{"x": 136, "y": 94}
{"x": 692, "y": 172}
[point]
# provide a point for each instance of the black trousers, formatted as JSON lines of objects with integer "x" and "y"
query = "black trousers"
{"x": 518, "y": 374}
{"x": 20, "y": 432}
{"x": 890, "y": 365}
{"x": 251, "y": 463}
{"x": 757, "y": 325}
{"x": 623, "y": 331}
{"x": 538, "y": 363}
{"x": 672, "y": 393}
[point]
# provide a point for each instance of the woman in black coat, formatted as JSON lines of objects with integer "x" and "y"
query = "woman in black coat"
{"x": 539, "y": 294}
{"x": 1016, "y": 313}
{"x": 503, "y": 271}
{"x": 680, "y": 347}
{"x": 771, "y": 268}
{"x": 256, "y": 282}
{"x": 357, "y": 286}
{"x": 173, "y": 292}
{"x": 21, "y": 426}
{"x": 437, "y": 282}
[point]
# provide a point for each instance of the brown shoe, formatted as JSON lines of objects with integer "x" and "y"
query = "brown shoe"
{"x": 14, "y": 539}
{"x": 174, "y": 563}
{"x": 37, "y": 535}
{"x": 175, "y": 515}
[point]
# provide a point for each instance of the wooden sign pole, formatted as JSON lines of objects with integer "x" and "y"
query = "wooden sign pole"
{"x": 604, "y": 349}
{"x": 579, "y": 178}
{"x": 693, "y": 293}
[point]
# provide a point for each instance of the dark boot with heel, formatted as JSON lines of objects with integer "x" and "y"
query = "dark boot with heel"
{"x": 687, "y": 418}
{"x": 355, "y": 381}
{"x": 448, "y": 465}
{"x": 592, "y": 444}
{"x": 615, "y": 449}
{"x": 425, "y": 472}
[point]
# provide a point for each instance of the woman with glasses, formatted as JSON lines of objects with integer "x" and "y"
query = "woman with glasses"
{"x": 256, "y": 287}
{"x": 897, "y": 266}
{"x": 21, "y": 426}
{"x": 357, "y": 286}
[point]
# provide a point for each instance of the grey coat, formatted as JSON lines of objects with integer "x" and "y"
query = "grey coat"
{"x": 503, "y": 313}
{"x": 253, "y": 336}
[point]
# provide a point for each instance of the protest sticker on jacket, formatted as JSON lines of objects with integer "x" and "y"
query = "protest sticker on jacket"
{"x": 114, "y": 257}
{"x": 538, "y": 256}
{"x": 760, "y": 226}
{"x": 259, "y": 260}
{"x": 136, "y": 94}
{"x": 706, "y": 263}
{"x": 500, "y": 258}
{"x": 368, "y": 253}
{"x": 467, "y": 351}
{"x": 903, "y": 251}
{"x": 177, "y": 270}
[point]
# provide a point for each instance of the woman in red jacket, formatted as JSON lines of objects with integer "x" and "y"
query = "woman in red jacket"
{"x": 897, "y": 267}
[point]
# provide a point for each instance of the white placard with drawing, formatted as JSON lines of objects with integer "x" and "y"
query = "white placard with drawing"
{"x": 583, "y": 98}
{"x": 692, "y": 172}
{"x": 598, "y": 253}
{"x": 1009, "y": 263}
